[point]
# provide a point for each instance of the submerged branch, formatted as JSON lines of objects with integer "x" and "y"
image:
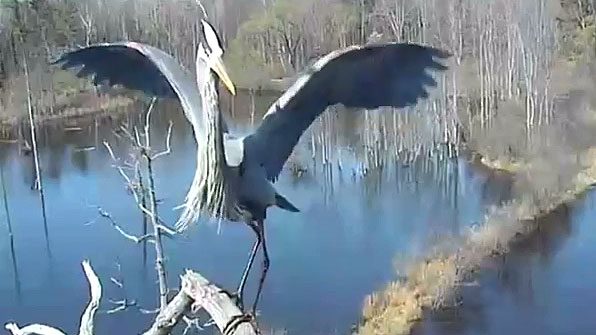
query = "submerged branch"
{"x": 32, "y": 329}
{"x": 87, "y": 319}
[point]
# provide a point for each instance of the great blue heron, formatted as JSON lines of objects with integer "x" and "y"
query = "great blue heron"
{"x": 235, "y": 174}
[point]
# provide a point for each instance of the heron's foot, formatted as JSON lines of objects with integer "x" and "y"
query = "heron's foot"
{"x": 235, "y": 321}
{"x": 236, "y": 297}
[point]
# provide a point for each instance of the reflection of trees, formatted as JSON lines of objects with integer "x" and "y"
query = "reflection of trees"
{"x": 7, "y": 152}
{"x": 458, "y": 320}
{"x": 53, "y": 163}
{"x": 80, "y": 160}
{"x": 369, "y": 138}
{"x": 516, "y": 273}
{"x": 554, "y": 230}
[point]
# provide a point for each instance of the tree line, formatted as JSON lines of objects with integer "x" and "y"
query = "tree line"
{"x": 505, "y": 50}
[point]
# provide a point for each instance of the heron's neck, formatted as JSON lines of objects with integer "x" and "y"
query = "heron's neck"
{"x": 208, "y": 89}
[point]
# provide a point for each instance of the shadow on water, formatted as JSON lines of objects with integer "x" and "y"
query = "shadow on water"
{"x": 13, "y": 256}
{"x": 15, "y": 269}
{"x": 354, "y": 220}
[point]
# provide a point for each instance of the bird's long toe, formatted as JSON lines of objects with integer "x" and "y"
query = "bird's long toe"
{"x": 236, "y": 321}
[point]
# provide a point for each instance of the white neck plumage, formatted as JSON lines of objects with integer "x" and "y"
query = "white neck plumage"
{"x": 209, "y": 194}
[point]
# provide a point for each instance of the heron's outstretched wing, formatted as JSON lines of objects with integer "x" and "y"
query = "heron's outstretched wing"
{"x": 360, "y": 76}
{"x": 140, "y": 67}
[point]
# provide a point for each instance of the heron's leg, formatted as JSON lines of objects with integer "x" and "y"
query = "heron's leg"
{"x": 261, "y": 231}
{"x": 251, "y": 259}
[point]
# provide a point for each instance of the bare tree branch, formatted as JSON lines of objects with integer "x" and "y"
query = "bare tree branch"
{"x": 200, "y": 4}
{"x": 129, "y": 182}
{"x": 86, "y": 327}
{"x": 135, "y": 239}
{"x": 168, "y": 148}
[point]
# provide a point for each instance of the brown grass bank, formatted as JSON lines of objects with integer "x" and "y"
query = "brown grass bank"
{"x": 433, "y": 282}
{"x": 68, "y": 107}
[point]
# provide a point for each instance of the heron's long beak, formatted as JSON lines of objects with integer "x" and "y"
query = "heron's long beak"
{"x": 220, "y": 69}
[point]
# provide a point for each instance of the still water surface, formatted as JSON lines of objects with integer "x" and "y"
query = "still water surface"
{"x": 342, "y": 246}
{"x": 546, "y": 285}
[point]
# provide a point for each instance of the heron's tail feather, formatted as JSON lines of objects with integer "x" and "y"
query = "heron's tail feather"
{"x": 283, "y": 203}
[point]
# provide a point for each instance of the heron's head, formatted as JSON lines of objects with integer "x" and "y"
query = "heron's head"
{"x": 212, "y": 56}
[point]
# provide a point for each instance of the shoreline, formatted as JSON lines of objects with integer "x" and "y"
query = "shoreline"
{"x": 431, "y": 282}
{"x": 101, "y": 104}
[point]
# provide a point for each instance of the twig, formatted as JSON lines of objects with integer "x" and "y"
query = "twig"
{"x": 121, "y": 305}
{"x": 147, "y": 122}
{"x": 120, "y": 169}
{"x": 200, "y": 4}
{"x": 168, "y": 139}
{"x": 166, "y": 229}
{"x": 129, "y": 182}
{"x": 116, "y": 282}
{"x": 191, "y": 324}
{"x": 149, "y": 311}
{"x": 135, "y": 239}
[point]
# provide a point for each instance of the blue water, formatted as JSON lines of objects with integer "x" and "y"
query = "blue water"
{"x": 544, "y": 286}
{"x": 324, "y": 260}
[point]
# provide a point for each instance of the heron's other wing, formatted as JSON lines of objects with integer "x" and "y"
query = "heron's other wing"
{"x": 138, "y": 66}
{"x": 368, "y": 77}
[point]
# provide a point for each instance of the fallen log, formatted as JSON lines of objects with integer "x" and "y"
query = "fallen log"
{"x": 197, "y": 292}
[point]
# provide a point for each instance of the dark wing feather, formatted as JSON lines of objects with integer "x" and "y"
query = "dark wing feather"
{"x": 118, "y": 64}
{"x": 368, "y": 77}
{"x": 138, "y": 66}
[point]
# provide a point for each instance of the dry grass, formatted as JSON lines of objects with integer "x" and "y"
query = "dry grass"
{"x": 84, "y": 104}
{"x": 432, "y": 283}
{"x": 395, "y": 309}
{"x": 503, "y": 164}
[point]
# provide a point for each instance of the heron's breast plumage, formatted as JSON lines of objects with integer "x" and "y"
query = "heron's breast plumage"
{"x": 233, "y": 149}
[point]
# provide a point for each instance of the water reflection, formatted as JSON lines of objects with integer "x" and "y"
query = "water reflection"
{"x": 356, "y": 216}
{"x": 542, "y": 286}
